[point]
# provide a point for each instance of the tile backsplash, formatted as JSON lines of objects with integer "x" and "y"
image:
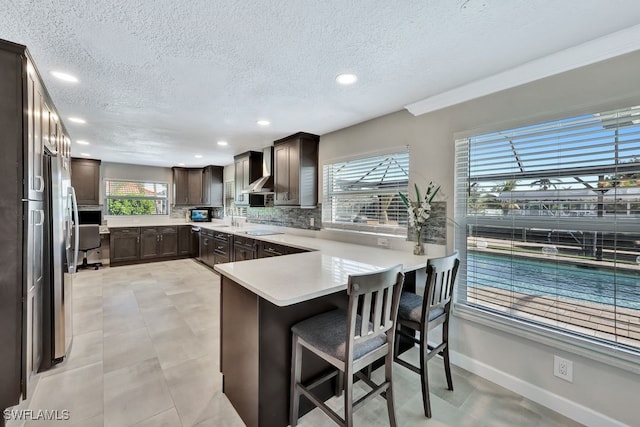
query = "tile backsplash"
{"x": 181, "y": 211}
{"x": 287, "y": 217}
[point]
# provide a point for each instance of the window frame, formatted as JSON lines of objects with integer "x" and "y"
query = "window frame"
{"x": 606, "y": 352}
{"x": 166, "y": 198}
{"x": 381, "y": 229}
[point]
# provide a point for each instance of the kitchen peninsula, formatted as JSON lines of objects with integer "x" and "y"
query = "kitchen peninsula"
{"x": 260, "y": 301}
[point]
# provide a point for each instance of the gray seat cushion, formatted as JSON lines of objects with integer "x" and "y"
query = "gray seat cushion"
{"x": 328, "y": 331}
{"x": 410, "y": 308}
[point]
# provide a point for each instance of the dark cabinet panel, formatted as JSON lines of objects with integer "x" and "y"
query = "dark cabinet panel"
{"x": 185, "y": 240}
{"x": 124, "y": 245}
{"x": 187, "y": 186}
{"x": 215, "y": 247}
{"x": 149, "y": 240}
{"x": 212, "y": 186}
{"x": 244, "y": 248}
{"x": 206, "y": 247}
{"x": 296, "y": 170}
{"x": 158, "y": 242}
{"x": 195, "y": 187}
{"x": 85, "y": 178}
{"x": 180, "y": 186}
{"x": 266, "y": 249}
{"x": 168, "y": 242}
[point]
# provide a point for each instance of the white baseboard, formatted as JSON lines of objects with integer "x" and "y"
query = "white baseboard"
{"x": 562, "y": 405}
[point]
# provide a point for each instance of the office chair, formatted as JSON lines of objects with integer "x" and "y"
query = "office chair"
{"x": 89, "y": 239}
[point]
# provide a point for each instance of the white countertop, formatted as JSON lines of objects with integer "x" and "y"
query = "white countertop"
{"x": 290, "y": 279}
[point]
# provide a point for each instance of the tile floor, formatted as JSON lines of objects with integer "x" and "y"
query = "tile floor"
{"x": 145, "y": 353}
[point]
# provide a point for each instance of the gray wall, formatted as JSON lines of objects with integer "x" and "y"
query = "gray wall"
{"x": 518, "y": 361}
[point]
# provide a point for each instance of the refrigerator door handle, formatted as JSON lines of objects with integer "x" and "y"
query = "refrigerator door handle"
{"x": 76, "y": 228}
{"x": 41, "y": 179}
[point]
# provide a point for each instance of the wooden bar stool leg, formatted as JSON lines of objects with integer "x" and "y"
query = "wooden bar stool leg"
{"x": 388, "y": 374}
{"x": 424, "y": 376}
{"x": 348, "y": 398}
{"x": 296, "y": 371}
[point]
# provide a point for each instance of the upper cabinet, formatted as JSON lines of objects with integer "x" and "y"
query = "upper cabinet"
{"x": 187, "y": 186}
{"x": 296, "y": 170}
{"x": 198, "y": 186}
{"x": 212, "y": 186}
{"x": 248, "y": 168}
{"x": 85, "y": 179}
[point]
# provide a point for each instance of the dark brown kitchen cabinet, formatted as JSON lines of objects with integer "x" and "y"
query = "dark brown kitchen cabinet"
{"x": 296, "y": 170}
{"x": 124, "y": 245}
{"x": 85, "y": 179}
{"x": 212, "y": 186}
{"x": 187, "y": 186}
{"x": 266, "y": 249}
{"x": 244, "y": 248}
{"x": 248, "y": 168}
{"x": 221, "y": 247}
{"x": 186, "y": 238}
{"x": 206, "y": 247}
{"x": 158, "y": 242}
{"x": 215, "y": 247}
{"x": 30, "y": 129}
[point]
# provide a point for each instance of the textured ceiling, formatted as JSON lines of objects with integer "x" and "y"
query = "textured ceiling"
{"x": 161, "y": 81}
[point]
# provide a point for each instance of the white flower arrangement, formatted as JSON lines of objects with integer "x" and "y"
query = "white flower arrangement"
{"x": 419, "y": 210}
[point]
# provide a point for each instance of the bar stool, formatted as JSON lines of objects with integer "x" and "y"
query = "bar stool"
{"x": 422, "y": 314}
{"x": 350, "y": 341}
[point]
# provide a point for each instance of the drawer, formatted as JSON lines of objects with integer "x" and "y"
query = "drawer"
{"x": 223, "y": 237}
{"x": 243, "y": 241}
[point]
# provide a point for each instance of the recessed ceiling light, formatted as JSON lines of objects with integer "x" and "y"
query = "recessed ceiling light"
{"x": 64, "y": 77}
{"x": 85, "y": 154}
{"x": 180, "y": 164}
{"x": 264, "y": 122}
{"x": 198, "y": 156}
{"x": 77, "y": 120}
{"x": 223, "y": 143}
{"x": 82, "y": 142}
{"x": 346, "y": 79}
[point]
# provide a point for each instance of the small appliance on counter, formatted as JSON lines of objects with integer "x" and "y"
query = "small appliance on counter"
{"x": 200, "y": 215}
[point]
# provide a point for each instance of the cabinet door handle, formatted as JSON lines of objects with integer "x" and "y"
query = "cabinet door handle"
{"x": 138, "y": 239}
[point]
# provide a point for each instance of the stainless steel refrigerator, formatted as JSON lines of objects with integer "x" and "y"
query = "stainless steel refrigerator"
{"x": 61, "y": 243}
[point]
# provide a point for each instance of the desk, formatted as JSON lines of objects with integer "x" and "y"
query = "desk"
{"x": 260, "y": 301}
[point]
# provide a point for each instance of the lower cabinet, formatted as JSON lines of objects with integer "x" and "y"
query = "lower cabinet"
{"x": 266, "y": 249}
{"x": 244, "y": 248}
{"x": 158, "y": 242}
{"x": 221, "y": 247}
{"x": 124, "y": 245}
{"x": 134, "y": 244}
{"x": 215, "y": 247}
{"x": 137, "y": 244}
{"x": 186, "y": 238}
{"x": 206, "y": 247}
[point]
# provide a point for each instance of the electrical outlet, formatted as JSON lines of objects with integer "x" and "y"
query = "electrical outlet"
{"x": 563, "y": 368}
{"x": 312, "y": 221}
{"x": 383, "y": 241}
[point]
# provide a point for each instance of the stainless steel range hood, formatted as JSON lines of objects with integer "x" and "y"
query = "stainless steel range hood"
{"x": 264, "y": 184}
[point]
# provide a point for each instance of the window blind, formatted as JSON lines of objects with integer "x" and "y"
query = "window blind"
{"x": 362, "y": 194}
{"x": 547, "y": 222}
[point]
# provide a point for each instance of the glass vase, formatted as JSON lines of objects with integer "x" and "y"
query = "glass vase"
{"x": 418, "y": 248}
